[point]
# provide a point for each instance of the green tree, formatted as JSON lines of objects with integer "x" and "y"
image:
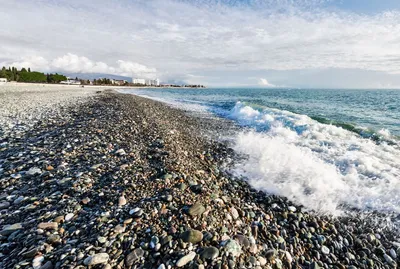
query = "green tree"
{"x": 3, "y": 73}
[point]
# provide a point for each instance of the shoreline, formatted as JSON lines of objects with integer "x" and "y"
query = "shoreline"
{"x": 117, "y": 180}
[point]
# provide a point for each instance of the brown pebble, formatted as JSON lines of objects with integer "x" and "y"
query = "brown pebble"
{"x": 48, "y": 225}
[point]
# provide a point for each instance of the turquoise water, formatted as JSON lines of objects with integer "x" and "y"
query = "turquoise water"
{"x": 329, "y": 150}
{"x": 367, "y": 109}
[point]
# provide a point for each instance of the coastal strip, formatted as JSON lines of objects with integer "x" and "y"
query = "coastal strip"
{"x": 110, "y": 180}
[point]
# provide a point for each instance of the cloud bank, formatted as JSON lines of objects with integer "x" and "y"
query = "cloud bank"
{"x": 265, "y": 83}
{"x": 171, "y": 38}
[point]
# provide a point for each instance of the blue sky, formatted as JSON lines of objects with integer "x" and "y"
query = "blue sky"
{"x": 287, "y": 43}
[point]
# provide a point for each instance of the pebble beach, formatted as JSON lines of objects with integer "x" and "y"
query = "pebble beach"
{"x": 92, "y": 178}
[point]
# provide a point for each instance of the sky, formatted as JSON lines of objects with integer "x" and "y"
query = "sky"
{"x": 266, "y": 43}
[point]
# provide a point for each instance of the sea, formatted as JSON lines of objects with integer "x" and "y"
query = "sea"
{"x": 330, "y": 150}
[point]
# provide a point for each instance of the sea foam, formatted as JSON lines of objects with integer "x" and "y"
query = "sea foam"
{"x": 323, "y": 167}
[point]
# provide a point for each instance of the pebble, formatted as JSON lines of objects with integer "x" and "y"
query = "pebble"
{"x": 121, "y": 201}
{"x": 98, "y": 258}
{"x": 69, "y": 216}
{"x": 37, "y": 262}
{"x": 192, "y": 236}
{"x": 133, "y": 257}
{"x": 9, "y": 229}
{"x": 196, "y": 210}
{"x": 4, "y": 205}
{"x": 233, "y": 247}
{"x": 325, "y": 250}
{"x": 209, "y": 253}
{"x": 48, "y": 225}
{"x": 34, "y": 171}
{"x": 234, "y": 213}
{"x": 186, "y": 259}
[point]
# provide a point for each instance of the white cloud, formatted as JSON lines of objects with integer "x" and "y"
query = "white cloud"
{"x": 265, "y": 83}
{"x": 198, "y": 36}
{"x": 72, "y": 63}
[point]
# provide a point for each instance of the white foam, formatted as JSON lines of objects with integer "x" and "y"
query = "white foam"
{"x": 187, "y": 105}
{"x": 318, "y": 165}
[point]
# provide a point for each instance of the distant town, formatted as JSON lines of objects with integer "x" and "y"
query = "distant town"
{"x": 12, "y": 74}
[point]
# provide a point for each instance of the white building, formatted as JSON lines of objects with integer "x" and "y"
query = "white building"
{"x": 153, "y": 82}
{"x": 147, "y": 82}
{"x": 141, "y": 81}
{"x": 3, "y": 80}
{"x": 70, "y": 81}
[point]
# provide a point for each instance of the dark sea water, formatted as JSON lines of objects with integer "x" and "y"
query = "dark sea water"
{"x": 326, "y": 149}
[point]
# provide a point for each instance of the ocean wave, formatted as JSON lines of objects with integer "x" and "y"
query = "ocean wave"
{"x": 326, "y": 168}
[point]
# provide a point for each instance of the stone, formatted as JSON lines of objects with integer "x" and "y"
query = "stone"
{"x": 98, "y": 258}
{"x": 292, "y": 208}
{"x": 389, "y": 260}
{"x": 192, "y": 236}
{"x": 209, "y": 253}
{"x": 325, "y": 250}
{"x": 37, "y": 262}
{"x": 133, "y": 257}
{"x": 136, "y": 212}
{"x": 33, "y": 171}
{"x": 120, "y": 152}
{"x": 53, "y": 238}
{"x": 59, "y": 219}
{"x": 234, "y": 213}
{"x": 47, "y": 265}
{"x": 186, "y": 259}
{"x": 4, "y": 205}
{"x": 121, "y": 201}
{"x": 262, "y": 260}
{"x": 101, "y": 239}
{"x": 271, "y": 254}
{"x": 119, "y": 229}
{"x": 314, "y": 265}
{"x": 233, "y": 247}
{"x": 30, "y": 253}
{"x": 48, "y": 225}
{"x": 69, "y": 216}
{"x": 9, "y": 229}
{"x": 196, "y": 210}
{"x": 242, "y": 240}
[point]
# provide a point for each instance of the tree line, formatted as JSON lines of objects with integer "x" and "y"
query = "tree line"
{"x": 26, "y": 75}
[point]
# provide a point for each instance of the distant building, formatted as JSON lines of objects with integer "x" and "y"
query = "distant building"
{"x": 119, "y": 82}
{"x": 140, "y": 81}
{"x": 3, "y": 80}
{"x": 70, "y": 81}
{"x": 147, "y": 82}
{"x": 153, "y": 82}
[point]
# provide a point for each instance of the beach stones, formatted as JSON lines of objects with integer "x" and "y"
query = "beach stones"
{"x": 196, "y": 210}
{"x": 209, "y": 253}
{"x": 99, "y": 258}
{"x": 133, "y": 257}
{"x": 192, "y": 236}
{"x": 186, "y": 259}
